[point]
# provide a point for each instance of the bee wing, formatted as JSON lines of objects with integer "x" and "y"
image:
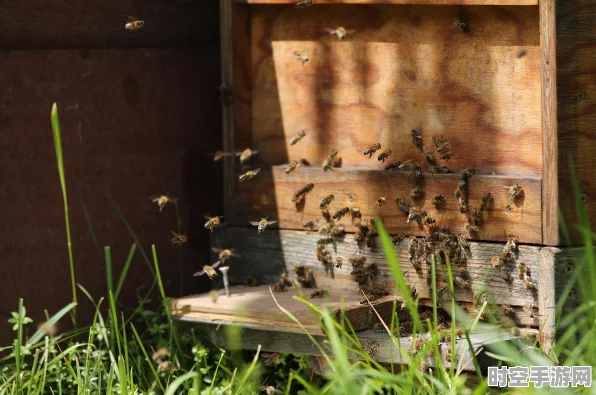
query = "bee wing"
{"x": 329, "y": 30}
{"x": 215, "y": 265}
{"x": 131, "y": 18}
{"x": 206, "y": 216}
{"x": 174, "y": 233}
{"x": 199, "y": 273}
{"x": 350, "y": 31}
{"x": 238, "y": 153}
{"x": 254, "y": 223}
{"x": 172, "y": 199}
{"x": 215, "y": 249}
{"x": 256, "y": 171}
{"x": 154, "y": 198}
{"x": 271, "y": 222}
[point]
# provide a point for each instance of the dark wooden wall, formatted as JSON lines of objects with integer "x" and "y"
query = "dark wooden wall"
{"x": 138, "y": 109}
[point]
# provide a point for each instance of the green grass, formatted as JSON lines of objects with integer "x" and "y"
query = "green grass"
{"x": 115, "y": 353}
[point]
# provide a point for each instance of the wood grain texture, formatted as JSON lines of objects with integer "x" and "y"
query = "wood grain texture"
{"x": 414, "y": 2}
{"x": 404, "y": 67}
{"x": 270, "y": 194}
{"x": 550, "y": 154}
{"x": 546, "y": 296}
{"x": 575, "y": 70}
{"x": 273, "y": 252}
{"x": 228, "y": 124}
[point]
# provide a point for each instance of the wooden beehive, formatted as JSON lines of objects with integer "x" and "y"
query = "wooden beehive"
{"x": 511, "y": 94}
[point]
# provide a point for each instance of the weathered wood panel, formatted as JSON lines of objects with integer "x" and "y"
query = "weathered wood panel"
{"x": 270, "y": 194}
{"x": 431, "y": 2}
{"x": 261, "y": 253}
{"x": 575, "y": 70}
{"x": 404, "y": 67}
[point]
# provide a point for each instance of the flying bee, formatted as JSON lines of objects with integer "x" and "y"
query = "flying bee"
{"x": 384, "y": 155}
{"x": 212, "y": 222}
{"x": 262, "y": 224}
{"x": 299, "y": 136}
{"x": 162, "y": 200}
{"x": 438, "y": 200}
{"x": 311, "y": 224}
{"x": 414, "y": 174}
{"x": 522, "y": 270}
{"x": 246, "y": 155}
{"x": 273, "y": 358}
{"x": 416, "y": 192}
{"x": 301, "y": 57}
{"x": 340, "y": 32}
{"x": 461, "y": 25}
{"x": 429, "y": 220}
{"x": 303, "y": 3}
{"x": 220, "y": 154}
{"x": 337, "y": 231}
{"x": 319, "y": 293}
{"x": 403, "y": 206}
{"x": 446, "y": 156}
{"x": 326, "y": 201}
{"x": 380, "y": 201}
{"x": 292, "y": 166}
{"x": 467, "y": 173}
{"x": 429, "y": 156}
{"x": 224, "y": 254}
{"x": 325, "y": 240}
{"x": 208, "y": 270}
{"x": 515, "y": 192}
{"x": 372, "y": 149}
{"x": 133, "y": 23}
{"x": 417, "y": 137}
{"x": 340, "y": 213}
{"x": 339, "y": 262}
{"x": 249, "y": 175}
{"x": 372, "y": 349}
{"x": 392, "y": 166}
{"x": 327, "y": 163}
{"x": 280, "y": 287}
{"x": 302, "y": 192}
{"x": 410, "y": 164}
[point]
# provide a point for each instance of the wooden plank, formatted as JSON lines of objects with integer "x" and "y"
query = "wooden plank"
{"x": 550, "y": 157}
{"x": 415, "y": 2}
{"x": 405, "y": 67}
{"x": 270, "y": 194}
{"x": 271, "y": 253}
{"x": 546, "y": 296}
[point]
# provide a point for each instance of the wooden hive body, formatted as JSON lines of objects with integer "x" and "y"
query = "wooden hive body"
{"x": 510, "y": 94}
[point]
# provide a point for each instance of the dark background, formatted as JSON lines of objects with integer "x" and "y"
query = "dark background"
{"x": 140, "y": 110}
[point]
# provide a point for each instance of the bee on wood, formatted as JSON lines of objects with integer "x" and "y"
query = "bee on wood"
{"x": 252, "y": 280}
{"x": 446, "y": 156}
{"x": 417, "y": 344}
{"x": 521, "y": 53}
{"x": 319, "y": 294}
{"x": 246, "y": 155}
{"x": 357, "y": 260}
{"x": 384, "y": 155}
{"x": 299, "y": 136}
{"x": 162, "y": 200}
{"x": 224, "y": 254}
{"x": 508, "y": 310}
{"x": 467, "y": 173}
{"x": 469, "y": 228}
{"x": 364, "y": 274}
{"x": 416, "y": 193}
{"x": 415, "y": 174}
{"x": 439, "y": 170}
{"x": 341, "y": 213}
{"x": 410, "y": 164}
{"x": 438, "y": 200}
{"x": 262, "y": 224}
{"x": 522, "y": 270}
{"x": 330, "y": 160}
{"x": 134, "y": 23}
{"x": 372, "y": 149}
{"x": 380, "y": 201}
{"x": 463, "y": 205}
{"x": 511, "y": 245}
{"x": 458, "y": 192}
{"x": 280, "y": 287}
{"x": 355, "y": 212}
{"x": 372, "y": 349}
{"x": 461, "y": 185}
{"x": 461, "y": 25}
{"x": 339, "y": 262}
{"x": 475, "y": 217}
{"x": 514, "y": 192}
{"x": 304, "y": 4}
{"x": 510, "y": 327}
{"x": 429, "y": 220}
{"x": 212, "y": 222}
{"x": 393, "y": 166}
{"x": 249, "y": 175}
{"x": 337, "y": 231}
{"x": 292, "y": 166}
{"x": 301, "y": 57}
{"x": 371, "y": 298}
{"x": 217, "y": 156}
{"x": 208, "y": 270}
{"x": 461, "y": 283}
{"x": 403, "y": 206}
{"x": 273, "y": 358}
{"x": 463, "y": 241}
{"x": 302, "y": 192}
{"x": 399, "y": 238}
{"x": 370, "y": 238}
{"x": 529, "y": 310}
{"x": 416, "y": 215}
{"x": 325, "y": 240}
{"x": 417, "y": 137}
{"x": 429, "y": 156}
{"x": 413, "y": 254}
{"x": 326, "y": 229}
{"x": 340, "y": 32}
{"x": 326, "y": 201}
{"x": 323, "y": 255}
{"x": 440, "y": 145}
{"x": 529, "y": 284}
{"x": 285, "y": 279}
{"x": 310, "y": 224}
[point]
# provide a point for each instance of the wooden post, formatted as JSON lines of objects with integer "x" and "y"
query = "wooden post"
{"x": 546, "y": 296}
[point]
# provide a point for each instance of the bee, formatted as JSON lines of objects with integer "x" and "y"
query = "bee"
{"x": 340, "y": 32}
{"x": 399, "y": 238}
{"x": 252, "y": 280}
{"x": 475, "y": 217}
{"x": 339, "y": 262}
{"x": 529, "y": 284}
{"x": 355, "y": 212}
{"x": 212, "y": 222}
{"x": 462, "y": 241}
{"x": 292, "y": 166}
{"x": 486, "y": 199}
{"x": 262, "y": 224}
{"x": 372, "y": 348}
{"x": 134, "y": 23}
{"x": 249, "y": 175}
{"x": 303, "y": 3}
{"x": 413, "y": 254}
{"x": 510, "y": 327}
{"x": 508, "y": 310}
{"x": 162, "y": 200}
{"x": 446, "y": 156}
{"x": 384, "y": 155}
{"x": 323, "y": 255}
{"x": 438, "y": 200}
{"x": 458, "y": 192}
{"x": 246, "y": 155}
{"x": 403, "y": 206}
{"x": 327, "y": 163}
{"x": 440, "y": 145}
{"x": 372, "y": 149}
{"x": 369, "y": 238}
{"x": 429, "y": 220}
{"x": 337, "y": 231}
{"x": 301, "y": 57}
{"x": 415, "y": 193}
{"x": 319, "y": 293}
{"x": 273, "y": 358}
{"x": 530, "y": 310}
{"x": 463, "y": 206}
{"x": 410, "y": 164}
{"x": 392, "y": 166}
{"x": 208, "y": 270}
{"x": 380, "y": 201}
{"x": 521, "y": 53}
{"x": 326, "y": 201}
{"x": 224, "y": 254}
{"x": 414, "y": 174}
{"x": 522, "y": 270}
{"x": 417, "y": 344}
{"x": 302, "y": 192}
{"x": 280, "y": 287}
{"x": 429, "y": 156}
{"x": 325, "y": 229}
{"x": 299, "y": 136}
{"x": 325, "y": 240}
{"x": 461, "y": 25}
{"x": 460, "y": 282}
{"x": 340, "y": 213}
{"x": 515, "y": 192}
{"x": 417, "y": 137}
{"x": 357, "y": 260}
{"x": 311, "y": 224}
{"x": 214, "y": 296}
{"x": 415, "y": 215}
{"x": 511, "y": 245}
{"x": 467, "y": 173}
{"x": 219, "y": 155}
{"x": 469, "y": 228}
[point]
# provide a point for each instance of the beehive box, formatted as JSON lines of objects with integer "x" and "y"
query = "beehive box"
{"x": 510, "y": 91}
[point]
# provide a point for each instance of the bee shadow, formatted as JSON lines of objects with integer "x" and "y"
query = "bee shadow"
{"x": 300, "y": 205}
{"x": 519, "y": 201}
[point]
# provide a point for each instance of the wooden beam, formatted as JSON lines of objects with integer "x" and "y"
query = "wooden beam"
{"x": 270, "y": 195}
{"x": 550, "y": 154}
{"x": 547, "y": 296}
{"x": 414, "y": 2}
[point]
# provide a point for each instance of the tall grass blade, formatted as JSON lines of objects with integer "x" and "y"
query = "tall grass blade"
{"x": 40, "y": 333}
{"x": 125, "y": 269}
{"x": 172, "y": 388}
{"x": 109, "y": 276}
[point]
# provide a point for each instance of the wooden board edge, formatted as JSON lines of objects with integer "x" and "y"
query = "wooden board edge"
{"x": 546, "y": 296}
{"x": 550, "y": 154}
{"x": 401, "y": 2}
{"x": 227, "y": 83}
